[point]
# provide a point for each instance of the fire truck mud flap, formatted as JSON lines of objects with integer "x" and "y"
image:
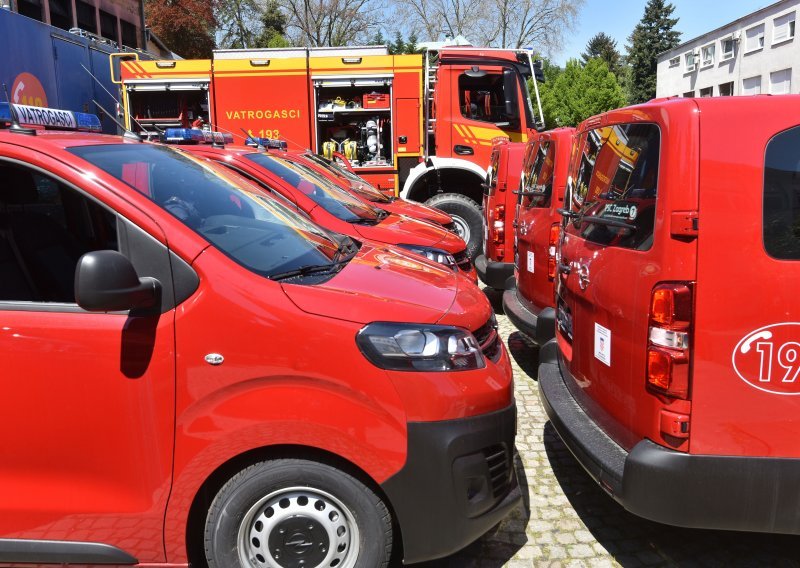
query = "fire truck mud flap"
{"x": 457, "y": 483}
{"x": 742, "y": 493}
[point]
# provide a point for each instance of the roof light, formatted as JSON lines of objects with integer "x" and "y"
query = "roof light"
{"x": 195, "y": 136}
{"x": 52, "y": 118}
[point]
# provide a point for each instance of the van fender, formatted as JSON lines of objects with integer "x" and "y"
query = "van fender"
{"x": 263, "y": 416}
{"x": 433, "y": 163}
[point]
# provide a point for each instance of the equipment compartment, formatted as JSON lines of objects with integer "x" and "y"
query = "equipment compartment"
{"x": 354, "y": 118}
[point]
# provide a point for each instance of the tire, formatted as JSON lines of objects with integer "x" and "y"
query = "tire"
{"x": 290, "y": 513}
{"x": 467, "y": 216}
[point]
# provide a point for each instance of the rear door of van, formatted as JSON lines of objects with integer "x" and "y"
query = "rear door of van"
{"x": 632, "y": 171}
{"x": 747, "y": 345}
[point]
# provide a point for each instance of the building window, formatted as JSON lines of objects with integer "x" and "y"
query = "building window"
{"x": 31, "y": 8}
{"x": 707, "y": 92}
{"x": 780, "y": 82}
{"x": 726, "y": 89}
{"x": 707, "y": 55}
{"x": 61, "y": 14}
{"x": 108, "y": 25}
{"x": 688, "y": 95}
{"x": 691, "y": 61}
{"x": 751, "y": 86}
{"x": 728, "y": 45}
{"x": 783, "y": 28}
{"x": 754, "y": 38}
{"x": 87, "y": 18}
{"x": 675, "y": 61}
{"x": 129, "y": 35}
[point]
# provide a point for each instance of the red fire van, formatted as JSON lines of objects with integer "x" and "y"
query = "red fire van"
{"x": 495, "y": 266}
{"x": 529, "y": 303}
{"x": 336, "y": 209}
{"x": 194, "y": 372}
{"x": 674, "y": 373}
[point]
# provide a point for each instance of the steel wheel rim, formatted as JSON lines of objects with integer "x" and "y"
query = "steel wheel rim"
{"x": 462, "y": 228}
{"x": 259, "y": 537}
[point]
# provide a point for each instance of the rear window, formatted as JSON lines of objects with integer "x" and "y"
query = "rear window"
{"x": 615, "y": 187}
{"x": 491, "y": 175}
{"x": 537, "y": 183}
{"x": 782, "y": 196}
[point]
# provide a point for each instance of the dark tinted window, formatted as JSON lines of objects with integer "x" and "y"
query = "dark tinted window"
{"x": 614, "y": 192}
{"x": 45, "y": 227}
{"x": 491, "y": 173}
{"x": 782, "y": 196}
{"x": 87, "y": 19}
{"x": 490, "y": 98}
{"x": 537, "y": 185}
{"x": 253, "y": 229}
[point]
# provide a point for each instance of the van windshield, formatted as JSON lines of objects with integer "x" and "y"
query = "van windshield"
{"x": 358, "y": 184}
{"x": 250, "y": 227}
{"x": 614, "y": 194}
{"x": 327, "y": 195}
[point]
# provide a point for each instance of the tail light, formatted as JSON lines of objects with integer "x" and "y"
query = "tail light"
{"x": 670, "y": 339}
{"x": 552, "y": 247}
{"x": 499, "y": 224}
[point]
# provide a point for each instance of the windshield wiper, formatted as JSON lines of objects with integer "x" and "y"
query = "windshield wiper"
{"x": 308, "y": 269}
{"x": 381, "y": 213}
{"x": 347, "y": 246}
{"x": 608, "y": 222}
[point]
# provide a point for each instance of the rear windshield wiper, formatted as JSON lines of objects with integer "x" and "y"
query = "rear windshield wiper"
{"x": 608, "y": 222}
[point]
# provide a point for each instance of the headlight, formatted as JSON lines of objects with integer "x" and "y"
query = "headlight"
{"x": 414, "y": 347}
{"x": 436, "y": 255}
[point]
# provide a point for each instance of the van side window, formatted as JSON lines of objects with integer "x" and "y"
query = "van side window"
{"x": 45, "y": 227}
{"x": 782, "y": 196}
{"x": 491, "y": 174}
{"x": 540, "y": 179}
{"x": 616, "y": 186}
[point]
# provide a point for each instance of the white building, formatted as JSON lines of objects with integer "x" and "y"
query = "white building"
{"x": 755, "y": 54}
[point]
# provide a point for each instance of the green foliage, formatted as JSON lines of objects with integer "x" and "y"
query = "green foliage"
{"x": 273, "y": 27}
{"x": 602, "y": 46}
{"x": 398, "y": 46}
{"x": 578, "y": 92}
{"x": 652, "y": 35}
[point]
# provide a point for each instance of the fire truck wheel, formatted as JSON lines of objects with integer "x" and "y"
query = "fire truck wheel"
{"x": 290, "y": 512}
{"x": 467, "y": 217}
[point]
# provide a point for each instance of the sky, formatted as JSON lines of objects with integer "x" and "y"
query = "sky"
{"x": 617, "y": 18}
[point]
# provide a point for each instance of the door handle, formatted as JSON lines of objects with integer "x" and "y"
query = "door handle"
{"x": 463, "y": 150}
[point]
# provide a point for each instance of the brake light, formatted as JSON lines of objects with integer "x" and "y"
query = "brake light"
{"x": 552, "y": 248}
{"x": 669, "y": 339}
{"x": 499, "y": 224}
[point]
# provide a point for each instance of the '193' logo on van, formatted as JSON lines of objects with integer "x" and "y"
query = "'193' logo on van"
{"x": 769, "y": 358}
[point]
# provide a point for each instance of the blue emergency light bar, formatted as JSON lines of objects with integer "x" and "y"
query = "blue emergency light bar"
{"x": 196, "y": 136}
{"x": 52, "y": 118}
{"x": 270, "y": 143}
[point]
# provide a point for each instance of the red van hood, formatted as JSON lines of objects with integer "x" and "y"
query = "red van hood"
{"x": 416, "y": 211}
{"x": 399, "y": 230}
{"x": 382, "y": 284}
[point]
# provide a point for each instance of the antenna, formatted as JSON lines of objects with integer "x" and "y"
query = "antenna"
{"x": 115, "y": 100}
{"x": 128, "y": 134}
{"x": 259, "y": 145}
{"x": 15, "y": 127}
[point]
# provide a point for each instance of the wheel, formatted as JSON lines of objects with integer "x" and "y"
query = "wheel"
{"x": 467, "y": 217}
{"x": 292, "y": 513}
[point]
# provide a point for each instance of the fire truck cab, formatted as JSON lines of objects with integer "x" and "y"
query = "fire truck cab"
{"x": 418, "y": 126}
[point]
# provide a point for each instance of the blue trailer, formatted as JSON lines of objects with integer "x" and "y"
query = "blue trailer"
{"x": 46, "y": 66}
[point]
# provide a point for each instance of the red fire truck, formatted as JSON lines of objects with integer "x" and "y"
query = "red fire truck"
{"x": 419, "y": 126}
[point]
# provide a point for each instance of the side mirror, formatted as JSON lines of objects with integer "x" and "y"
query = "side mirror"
{"x": 106, "y": 281}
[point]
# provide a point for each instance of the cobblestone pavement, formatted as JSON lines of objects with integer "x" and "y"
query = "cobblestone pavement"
{"x": 568, "y": 521}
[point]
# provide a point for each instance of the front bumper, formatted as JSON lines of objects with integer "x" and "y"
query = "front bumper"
{"x": 457, "y": 483}
{"x": 539, "y": 326}
{"x": 698, "y": 491}
{"x": 492, "y": 273}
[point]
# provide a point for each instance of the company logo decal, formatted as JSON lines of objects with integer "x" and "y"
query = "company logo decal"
{"x": 27, "y": 90}
{"x": 769, "y": 358}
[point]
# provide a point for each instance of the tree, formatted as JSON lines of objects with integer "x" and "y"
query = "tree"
{"x": 186, "y": 27}
{"x": 319, "y": 23}
{"x": 653, "y": 34}
{"x": 604, "y": 47}
{"x": 237, "y": 21}
{"x": 578, "y": 92}
{"x": 398, "y": 46}
{"x": 273, "y": 27}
